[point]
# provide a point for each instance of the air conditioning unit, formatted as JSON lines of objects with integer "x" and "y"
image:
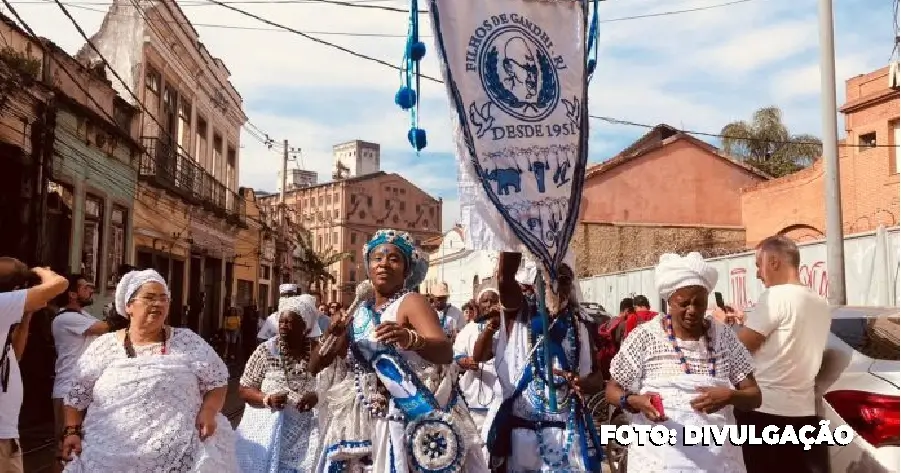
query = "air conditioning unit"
{"x": 894, "y": 75}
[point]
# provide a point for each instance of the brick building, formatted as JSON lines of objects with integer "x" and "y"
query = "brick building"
{"x": 666, "y": 192}
{"x": 869, "y": 166}
{"x": 343, "y": 214}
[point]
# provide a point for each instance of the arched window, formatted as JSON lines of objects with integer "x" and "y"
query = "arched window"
{"x": 475, "y": 285}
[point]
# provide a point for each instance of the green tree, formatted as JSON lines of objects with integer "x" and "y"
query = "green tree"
{"x": 315, "y": 264}
{"x": 768, "y": 145}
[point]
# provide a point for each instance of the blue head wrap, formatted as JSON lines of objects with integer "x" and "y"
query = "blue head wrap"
{"x": 416, "y": 265}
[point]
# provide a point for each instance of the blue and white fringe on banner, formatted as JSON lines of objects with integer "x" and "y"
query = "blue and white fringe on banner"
{"x": 516, "y": 77}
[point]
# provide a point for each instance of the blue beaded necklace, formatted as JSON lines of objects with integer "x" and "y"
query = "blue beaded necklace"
{"x": 711, "y": 354}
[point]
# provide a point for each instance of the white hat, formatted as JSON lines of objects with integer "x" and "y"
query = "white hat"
{"x": 287, "y": 288}
{"x": 441, "y": 290}
{"x": 674, "y": 272}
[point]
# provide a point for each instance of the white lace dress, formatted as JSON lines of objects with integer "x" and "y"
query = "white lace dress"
{"x": 141, "y": 411}
{"x": 283, "y": 441}
{"x": 647, "y": 362}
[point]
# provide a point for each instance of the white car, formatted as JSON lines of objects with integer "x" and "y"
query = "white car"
{"x": 858, "y": 385}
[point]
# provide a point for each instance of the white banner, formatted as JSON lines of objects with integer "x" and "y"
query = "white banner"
{"x": 515, "y": 75}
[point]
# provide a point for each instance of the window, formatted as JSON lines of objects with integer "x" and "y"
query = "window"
{"x": 336, "y": 214}
{"x": 403, "y": 206}
{"x": 369, "y": 200}
{"x": 92, "y": 247}
{"x": 894, "y": 139}
{"x": 152, "y": 81}
{"x": 353, "y": 276}
{"x": 353, "y": 199}
{"x": 871, "y": 333}
{"x": 118, "y": 224}
{"x": 387, "y": 204}
{"x": 353, "y": 238}
{"x": 867, "y": 140}
{"x": 334, "y": 238}
{"x": 216, "y": 171}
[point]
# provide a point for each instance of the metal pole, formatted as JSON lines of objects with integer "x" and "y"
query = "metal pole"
{"x": 281, "y": 203}
{"x": 835, "y": 241}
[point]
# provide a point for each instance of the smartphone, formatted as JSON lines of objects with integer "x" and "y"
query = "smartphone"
{"x": 657, "y": 402}
{"x": 719, "y": 300}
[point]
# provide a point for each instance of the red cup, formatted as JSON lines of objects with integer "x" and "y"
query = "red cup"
{"x": 657, "y": 402}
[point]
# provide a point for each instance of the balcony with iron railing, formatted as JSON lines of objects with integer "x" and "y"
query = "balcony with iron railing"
{"x": 168, "y": 166}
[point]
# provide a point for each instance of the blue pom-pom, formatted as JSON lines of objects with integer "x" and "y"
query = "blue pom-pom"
{"x": 416, "y": 50}
{"x": 405, "y": 98}
{"x": 416, "y": 137}
{"x": 592, "y": 64}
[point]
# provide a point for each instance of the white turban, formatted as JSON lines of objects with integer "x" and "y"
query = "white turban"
{"x": 131, "y": 282}
{"x": 486, "y": 290}
{"x": 674, "y": 272}
{"x": 304, "y": 306}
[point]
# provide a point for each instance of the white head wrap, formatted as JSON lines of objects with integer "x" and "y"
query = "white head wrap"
{"x": 486, "y": 290}
{"x": 674, "y": 272}
{"x": 304, "y": 306}
{"x": 131, "y": 282}
{"x": 287, "y": 288}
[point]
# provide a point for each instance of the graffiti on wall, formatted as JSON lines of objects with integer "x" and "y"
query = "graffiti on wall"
{"x": 738, "y": 283}
{"x": 814, "y": 276}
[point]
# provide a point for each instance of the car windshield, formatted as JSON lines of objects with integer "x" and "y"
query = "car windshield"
{"x": 874, "y": 334}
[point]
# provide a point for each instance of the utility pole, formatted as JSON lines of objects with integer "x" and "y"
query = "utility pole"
{"x": 281, "y": 203}
{"x": 282, "y": 210}
{"x": 835, "y": 238}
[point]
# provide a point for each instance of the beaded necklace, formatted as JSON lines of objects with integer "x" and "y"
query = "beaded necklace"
{"x": 368, "y": 387}
{"x": 130, "y": 348}
{"x": 292, "y": 365}
{"x": 711, "y": 354}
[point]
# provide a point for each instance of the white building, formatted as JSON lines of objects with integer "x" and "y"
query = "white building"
{"x": 463, "y": 270}
{"x": 356, "y": 158}
{"x": 298, "y": 179}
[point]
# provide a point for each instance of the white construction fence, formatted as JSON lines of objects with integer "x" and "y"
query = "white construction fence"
{"x": 871, "y": 275}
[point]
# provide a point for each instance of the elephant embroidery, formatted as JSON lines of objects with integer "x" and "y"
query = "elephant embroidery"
{"x": 505, "y": 179}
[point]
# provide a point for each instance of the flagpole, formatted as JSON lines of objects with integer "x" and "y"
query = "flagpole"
{"x": 540, "y": 285}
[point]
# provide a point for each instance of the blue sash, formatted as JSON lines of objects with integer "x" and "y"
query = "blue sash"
{"x": 500, "y": 432}
{"x": 407, "y": 391}
{"x": 433, "y": 443}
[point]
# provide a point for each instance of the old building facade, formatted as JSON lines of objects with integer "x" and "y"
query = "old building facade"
{"x": 342, "y": 215}
{"x": 26, "y": 143}
{"x": 90, "y": 197}
{"x": 666, "y": 192}
{"x": 462, "y": 269}
{"x": 187, "y": 209}
{"x": 869, "y": 165}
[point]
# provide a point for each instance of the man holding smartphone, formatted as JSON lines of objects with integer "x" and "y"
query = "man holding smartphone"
{"x": 17, "y": 300}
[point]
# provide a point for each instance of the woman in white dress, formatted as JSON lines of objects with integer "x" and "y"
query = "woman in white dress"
{"x": 148, "y": 398}
{"x": 279, "y": 431}
{"x": 403, "y": 413}
{"x": 696, "y": 366}
{"x": 479, "y": 383}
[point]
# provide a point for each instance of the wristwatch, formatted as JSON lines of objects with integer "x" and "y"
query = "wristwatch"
{"x": 624, "y": 402}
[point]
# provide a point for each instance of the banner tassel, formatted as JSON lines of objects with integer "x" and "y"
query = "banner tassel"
{"x": 408, "y": 95}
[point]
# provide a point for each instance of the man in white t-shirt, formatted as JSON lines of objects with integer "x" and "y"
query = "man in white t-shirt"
{"x": 450, "y": 317}
{"x": 73, "y": 330}
{"x": 786, "y": 332}
{"x": 14, "y": 304}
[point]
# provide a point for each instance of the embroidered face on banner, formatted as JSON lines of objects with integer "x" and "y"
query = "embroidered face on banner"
{"x": 515, "y": 74}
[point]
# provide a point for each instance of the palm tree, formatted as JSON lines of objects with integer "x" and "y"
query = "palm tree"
{"x": 768, "y": 145}
{"x": 315, "y": 264}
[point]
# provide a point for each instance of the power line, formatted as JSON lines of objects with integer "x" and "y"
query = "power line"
{"x": 618, "y": 121}
{"x": 314, "y": 39}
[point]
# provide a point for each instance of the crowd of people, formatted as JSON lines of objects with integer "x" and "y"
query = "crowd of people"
{"x": 407, "y": 382}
